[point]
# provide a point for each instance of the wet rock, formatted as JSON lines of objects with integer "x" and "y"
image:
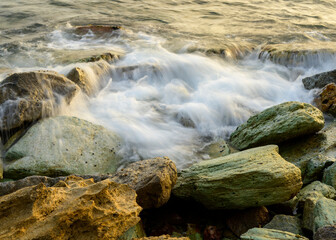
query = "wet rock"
{"x": 109, "y": 57}
{"x": 96, "y": 29}
{"x": 163, "y": 237}
{"x": 286, "y": 223}
{"x": 29, "y": 96}
{"x": 78, "y": 76}
{"x": 325, "y": 233}
{"x": 329, "y": 176}
{"x": 62, "y": 146}
{"x": 240, "y": 222}
{"x": 326, "y": 99}
{"x": 324, "y": 213}
{"x": 270, "y": 234}
{"x": 219, "y": 148}
{"x": 278, "y": 124}
{"x": 252, "y": 178}
{"x": 152, "y": 179}
{"x": 319, "y": 80}
{"x": 74, "y": 208}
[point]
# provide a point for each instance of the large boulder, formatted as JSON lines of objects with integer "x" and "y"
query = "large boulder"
{"x": 319, "y": 80}
{"x": 329, "y": 175}
{"x": 278, "y": 124}
{"x": 74, "y": 208}
{"x": 61, "y": 146}
{"x": 152, "y": 179}
{"x": 270, "y": 234}
{"x": 326, "y": 99}
{"x": 286, "y": 223}
{"x": 254, "y": 177}
{"x": 29, "y": 96}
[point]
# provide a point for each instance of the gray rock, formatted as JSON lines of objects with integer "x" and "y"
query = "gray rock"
{"x": 329, "y": 176}
{"x": 286, "y": 223}
{"x": 325, "y": 233}
{"x": 270, "y": 234}
{"x": 319, "y": 80}
{"x": 316, "y": 189}
{"x": 62, "y": 146}
{"x": 255, "y": 177}
{"x": 324, "y": 213}
{"x": 278, "y": 124}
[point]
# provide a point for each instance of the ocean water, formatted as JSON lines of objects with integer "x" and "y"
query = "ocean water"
{"x": 190, "y": 71}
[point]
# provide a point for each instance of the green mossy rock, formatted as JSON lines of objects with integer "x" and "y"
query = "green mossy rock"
{"x": 255, "y": 177}
{"x": 324, "y": 213}
{"x": 278, "y": 124}
{"x": 136, "y": 231}
{"x": 270, "y": 234}
{"x": 63, "y": 146}
{"x": 329, "y": 176}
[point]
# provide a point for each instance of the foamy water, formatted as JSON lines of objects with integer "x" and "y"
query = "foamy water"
{"x": 167, "y": 96}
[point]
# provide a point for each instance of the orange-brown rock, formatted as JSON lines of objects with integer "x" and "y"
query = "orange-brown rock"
{"x": 96, "y": 29}
{"x": 163, "y": 237}
{"x": 71, "y": 209}
{"x": 326, "y": 99}
{"x": 241, "y": 221}
{"x": 152, "y": 179}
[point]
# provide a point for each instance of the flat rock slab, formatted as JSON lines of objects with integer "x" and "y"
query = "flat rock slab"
{"x": 270, "y": 234}
{"x": 72, "y": 209}
{"x": 62, "y": 146}
{"x": 251, "y": 178}
{"x": 278, "y": 124}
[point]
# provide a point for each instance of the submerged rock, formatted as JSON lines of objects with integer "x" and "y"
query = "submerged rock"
{"x": 29, "y": 96}
{"x": 270, "y": 234}
{"x": 278, "y": 124}
{"x": 96, "y": 29}
{"x": 255, "y": 177}
{"x": 62, "y": 146}
{"x": 319, "y": 80}
{"x": 329, "y": 176}
{"x": 74, "y": 208}
{"x": 325, "y": 233}
{"x": 326, "y": 99}
{"x": 219, "y": 148}
{"x": 286, "y": 223}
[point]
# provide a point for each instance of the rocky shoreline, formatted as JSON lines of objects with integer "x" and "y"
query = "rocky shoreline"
{"x": 274, "y": 179}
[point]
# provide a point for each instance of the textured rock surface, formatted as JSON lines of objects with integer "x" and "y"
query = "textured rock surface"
{"x": 163, "y": 237}
{"x": 326, "y": 233}
{"x": 324, "y": 213}
{"x": 278, "y": 124}
{"x": 219, "y": 148}
{"x": 136, "y": 231}
{"x": 270, "y": 234}
{"x": 316, "y": 189}
{"x": 319, "y": 80}
{"x": 152, "y": 179}
{"x": 62, "y": 146}
{"x": 72, "y": 209}
{"x": 26, "y": 97}
{"x": 326, "y": 99}
{"x": 329, "y": 176}
{"x": 255, "y": 177}
{"x": 241, "y": 221}
{"x": 286, "y": 223}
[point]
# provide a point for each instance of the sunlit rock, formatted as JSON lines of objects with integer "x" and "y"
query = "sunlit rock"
{"x": 326, "y": 99}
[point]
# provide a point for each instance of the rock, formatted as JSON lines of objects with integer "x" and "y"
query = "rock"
{"x": 74, "y": 208}
{"x": 216, "y": 149}
{"x": 324, "y": 213}
{"x": 212, "y": 233}
{"x": 96, "y": 29}
{"x": 109, "y": 57}
{"x": 319, "y": 80}
{"x": 329, "y": 176}
{"x": 308, "y": 212}
{"x": 252, "y": 178}
{"x": 316, "y": 189}
{"x": 313, "y": 170}
{"x": 29, "y": 96}
{"x": 278, "y": 124}
{"x": 1, "y": 169}
{"x": 136, "y": 231}
{"x": 241, "y": 221}
{"x": 78, "y": 76}
{"x": 286, "y": 223}
{"x": 326, "y": 99}
{"x": 152, "y": 179}
{"x": 270, "y": 234}
{"x": 163, "y": 237}
{"x": 325, "y": 233}
{"x": 61, "y": 146}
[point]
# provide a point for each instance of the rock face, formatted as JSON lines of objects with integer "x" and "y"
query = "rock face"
{"x": 29, "y": 96}
{"x": 152, "y": 179}
{"x": 278, "y": 124}
{"x": 326, "y": 233}
{"x": 74, "y": 208}
{"x": 329, "y": 176}
{"x": 326, "y": 99}
{"x": 255, "y": 177}
{"x": 270, "y": 234}
{"x": 62, "y": 146}
{"x": 286, "y": 223}
{"x": 319, "y": 80}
